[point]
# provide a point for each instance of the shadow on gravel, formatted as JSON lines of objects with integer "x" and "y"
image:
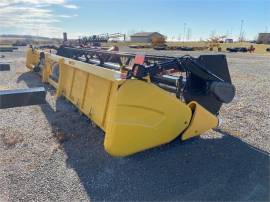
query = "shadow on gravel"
{"x": 225, "y": 169}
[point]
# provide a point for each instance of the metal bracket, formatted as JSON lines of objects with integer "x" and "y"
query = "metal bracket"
{"x": 22, "y": 97}
{"x": 4, "y": 67}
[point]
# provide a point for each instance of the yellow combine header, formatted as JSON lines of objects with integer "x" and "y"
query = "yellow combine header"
{"x": 132, "y": 107}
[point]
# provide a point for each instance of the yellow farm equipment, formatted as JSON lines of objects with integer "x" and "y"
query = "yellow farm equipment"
{"x": 140, "y": 102}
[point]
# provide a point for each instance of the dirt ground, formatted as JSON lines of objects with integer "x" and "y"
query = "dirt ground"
{"x": 52, "y": 153}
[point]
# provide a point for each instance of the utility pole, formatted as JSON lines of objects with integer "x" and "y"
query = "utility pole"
{"x": 188, "y": 34}
{"x": 184, "y": 35}
{"x": 241, "y": 31}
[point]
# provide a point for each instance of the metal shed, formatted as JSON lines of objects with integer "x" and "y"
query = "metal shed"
{"x": 264, "y": 38}
{"x": 145, "y": 37}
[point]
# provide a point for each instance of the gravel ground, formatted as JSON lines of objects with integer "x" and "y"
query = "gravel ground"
{"x": 52, "y": 153}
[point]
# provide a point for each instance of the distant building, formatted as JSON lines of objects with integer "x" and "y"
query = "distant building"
{"x": 145, "y": 37}
{"x": 264, "y": 38}
{"x": 228, "y": 40}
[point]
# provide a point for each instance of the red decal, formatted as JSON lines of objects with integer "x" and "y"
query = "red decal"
{"x": 139, "y": 59}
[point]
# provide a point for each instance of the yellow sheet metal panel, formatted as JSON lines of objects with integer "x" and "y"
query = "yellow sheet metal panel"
{"x": 32, "y": 58}
{"x": 78, "y": 85}
{"x": 111, "y": 102}
{"x": 202, "y": 120}
{"x": 47, "y": 71}
{"x": 144, "y": 116}
{"x": 66, "y": 74}
{"x": 90, "y": 92}
{"x": 51, "y": 61}
{"x": 96, "y": 99}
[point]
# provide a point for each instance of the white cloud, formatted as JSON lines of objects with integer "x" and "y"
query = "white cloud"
{"x": 71, "y": 6}
{"x": 67, "y": 16}
{"x": 11, "y": 2}
{"x": 32, "y": 17}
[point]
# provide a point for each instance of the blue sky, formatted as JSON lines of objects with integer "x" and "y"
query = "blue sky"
{"x": 85, "y": 17}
